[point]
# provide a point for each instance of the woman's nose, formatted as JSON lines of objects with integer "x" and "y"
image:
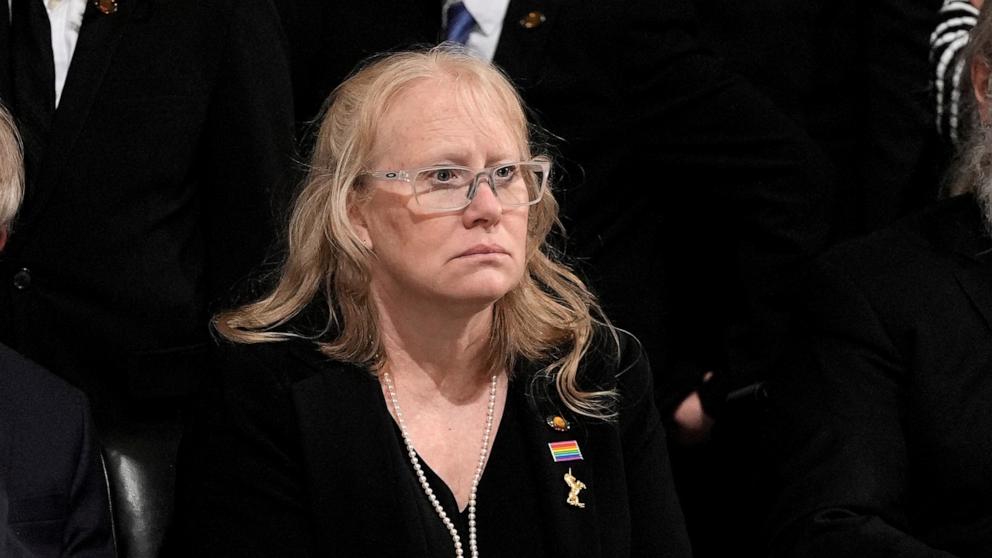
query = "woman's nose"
{"x": 485, "y": 207}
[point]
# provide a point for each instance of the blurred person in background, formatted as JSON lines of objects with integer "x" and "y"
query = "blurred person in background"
{"x": 156, "y": 134}
{"x": 53, "y": 494}
{"x": 884, "y": 410}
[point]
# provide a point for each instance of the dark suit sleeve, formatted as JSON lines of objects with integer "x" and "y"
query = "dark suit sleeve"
{"x": 899, "y": 134}
{"x": 88, "y": 531}
{"x": 657, "y": 524}
{"x": 240, "y": 485}
{"x": 53, "y": 492}
{"x": 248, "y": 146}
{"x": 844, "y": 463}
{"x": 746, "y": 198}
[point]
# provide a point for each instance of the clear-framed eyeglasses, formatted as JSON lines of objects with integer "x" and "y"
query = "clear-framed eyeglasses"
{"x": 451, "y": 188}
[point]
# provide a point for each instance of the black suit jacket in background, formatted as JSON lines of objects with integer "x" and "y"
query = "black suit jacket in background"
{"x": 154, "y": 194}
{"x": 855, "y": 76}
{"x": 688, "y": 199}
{"x": 293, "y": 454}
{"x": 885, "y": 415}
{"x": 53, "y": 494}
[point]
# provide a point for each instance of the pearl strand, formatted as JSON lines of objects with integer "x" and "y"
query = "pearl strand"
{"x": 418, "y": 469}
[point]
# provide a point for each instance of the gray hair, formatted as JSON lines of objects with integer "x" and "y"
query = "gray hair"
{"x": 972, "y": 171}
{"x": 972, "y": 164}
{"x": 11, "y": 170}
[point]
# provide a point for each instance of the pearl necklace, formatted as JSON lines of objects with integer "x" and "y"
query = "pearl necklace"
{"x": 452, "y": 530}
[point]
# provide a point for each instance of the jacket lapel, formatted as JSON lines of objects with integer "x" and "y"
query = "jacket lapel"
{"x": 526, "y": 30}
{"x": 573, "y": 531}
{"x": 355, "y": 464}
{"x": 966, "y": 235}
{"x": 975, "y": 281}
{"x": 98, "y": 39}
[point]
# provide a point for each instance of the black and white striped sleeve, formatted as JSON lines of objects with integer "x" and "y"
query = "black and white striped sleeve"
{"x": 947, "y": 42}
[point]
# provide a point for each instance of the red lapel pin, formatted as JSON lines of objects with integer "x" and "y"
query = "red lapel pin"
{"x": 106, "y": 7}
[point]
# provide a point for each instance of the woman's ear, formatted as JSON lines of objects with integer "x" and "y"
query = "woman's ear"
{"x": 357, "y": 217}
{"x": 980, "y": 86}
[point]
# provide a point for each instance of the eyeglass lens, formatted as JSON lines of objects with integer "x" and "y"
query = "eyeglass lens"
{"x": 451, "y": 188}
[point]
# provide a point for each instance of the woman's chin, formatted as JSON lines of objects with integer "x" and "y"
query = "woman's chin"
{"x": 478, "y": 295}
{"x": 484, "y": 284}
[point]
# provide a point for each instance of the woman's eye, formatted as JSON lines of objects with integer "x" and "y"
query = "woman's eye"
{"x": 445, "y": 175}
{"x": 504, "y": 172}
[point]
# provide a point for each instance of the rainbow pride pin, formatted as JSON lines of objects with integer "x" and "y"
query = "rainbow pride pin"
{"x": 565, "y": 451}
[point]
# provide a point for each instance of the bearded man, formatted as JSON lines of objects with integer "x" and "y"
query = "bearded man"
{"x": 886, "y": 410}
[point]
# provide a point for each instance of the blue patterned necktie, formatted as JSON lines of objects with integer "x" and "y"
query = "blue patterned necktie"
{"x": 460, "y": 23}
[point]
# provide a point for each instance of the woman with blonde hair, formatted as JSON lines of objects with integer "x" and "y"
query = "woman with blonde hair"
{"x": 425, "y": 379}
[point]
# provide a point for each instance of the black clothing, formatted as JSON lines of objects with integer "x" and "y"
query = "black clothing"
{"x": 854, "y": 75}
{"x": 885, "y": 409}
{"x": 292, "y": 454}
{"x": 53, "y": 497}
{"x": 153, "y": 194}
{"x": 509, "y": 522}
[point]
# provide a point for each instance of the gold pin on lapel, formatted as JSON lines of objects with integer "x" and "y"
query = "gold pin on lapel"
{"x": 106, "y": 7}
{"x": 532, "y": 20}
{"x": 558, "y": 423}
{"x": 574, "y": 487}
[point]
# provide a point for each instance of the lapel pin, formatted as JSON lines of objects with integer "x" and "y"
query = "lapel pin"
{"x": 565, "y": 451}
{"x": 106, "y": 7}
{"x": 532, "y": 20}
{"x": 558, "y": 423}
{"x": 574, "y": 487}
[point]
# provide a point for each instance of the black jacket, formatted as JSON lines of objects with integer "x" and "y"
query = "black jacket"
{"x": 885, "y": 410}
{"x": 291, "y": 454}
{"x": 153, "y": 195}
{"x": 53, "y": 496}
{"x": 855, "y": 76}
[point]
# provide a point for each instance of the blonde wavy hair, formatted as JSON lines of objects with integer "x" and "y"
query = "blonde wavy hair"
{"x": 11, "y": 170}
{"x": 547, "y": 318}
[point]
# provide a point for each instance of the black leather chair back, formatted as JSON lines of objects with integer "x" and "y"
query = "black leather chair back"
{"x": 140, "y": 459}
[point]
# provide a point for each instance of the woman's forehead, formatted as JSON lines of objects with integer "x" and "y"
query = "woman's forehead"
{"x": 437, "y": 98}
{"x": 435, "y": 115}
